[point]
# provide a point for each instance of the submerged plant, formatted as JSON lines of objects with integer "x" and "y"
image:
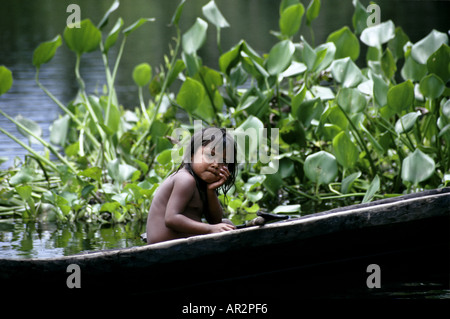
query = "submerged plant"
{"x": 347, "y": 133}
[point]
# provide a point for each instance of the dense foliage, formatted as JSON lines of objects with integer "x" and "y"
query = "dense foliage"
{"x": 347, "y": 133}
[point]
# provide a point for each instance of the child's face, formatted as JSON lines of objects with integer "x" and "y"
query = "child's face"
{"x": 206, "y": 163}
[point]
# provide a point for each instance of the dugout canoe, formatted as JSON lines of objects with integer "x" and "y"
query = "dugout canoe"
{"x": 325, "y": 254}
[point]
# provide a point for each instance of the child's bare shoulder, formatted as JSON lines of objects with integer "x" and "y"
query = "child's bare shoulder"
{"x": 183, "y": 179}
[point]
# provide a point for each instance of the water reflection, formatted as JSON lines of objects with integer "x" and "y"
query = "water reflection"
{"x": 19, "y": 239}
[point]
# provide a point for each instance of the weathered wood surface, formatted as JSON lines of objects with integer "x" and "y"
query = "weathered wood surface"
{"x": 406, "y": 234}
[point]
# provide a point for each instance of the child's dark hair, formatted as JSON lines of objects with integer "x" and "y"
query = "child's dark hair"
{"x": 220, "y": 139}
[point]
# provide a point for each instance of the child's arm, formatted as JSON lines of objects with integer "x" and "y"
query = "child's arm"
{"x": 214, "y": 214}
{"x": 182, "y": 193}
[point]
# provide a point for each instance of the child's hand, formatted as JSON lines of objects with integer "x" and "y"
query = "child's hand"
{"x": 224, "y": 173}
{"x": 221, "y": 227}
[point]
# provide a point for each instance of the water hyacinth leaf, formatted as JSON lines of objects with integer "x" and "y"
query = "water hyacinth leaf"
{"x": 59, "y": 130}
{"x": 347, "y": 182}
{"x": 371, "y": 191}
{"x": 401, "y": 96}
{"x": 431, "y": 86}
{"x": 287, "y": 209}
{"x": 309, "y": 110}
{"x": 280, "y": 57}
{"x": 136, "y": 25}
{"x": 84, "y": 39}
{"x": 312, "y": 12}
{"x": 347, "y": 44}
{"x": 120, "y": 172}
{"x": 346, "y": 72}
{"x": 424, "y": 48}
{"x": 380, "y": 89}
{"x": 406, "y": 122}
{"x": 165, "y": 157}
{"x": 375, "y": 36}
{"x": 321, "y": 167}
{"x": 359, "y": 18}
{"x": 388, "y": 64}
{"x": 46, "y": 51}
{"x": 438, "y": 63}
{"x": 190, "y": 95}
{"x": 328, "y": 50}
{"x": 351, "y": 100}
{"x": 345, "y": 150}
{"x": 142, "y": 74}
{"x": 25, "y": 175}
{"x": 213, "y": 14}
{"x": 194, "y": 38}
{"x": 445, "y": 109}
{"x": 32, "y": 126}
{"x": 294, "y": 69}
{"x": 92, "y": 172}
{"x": 397, "y": 44}
{"x": 24, "y": 191}
{"x": 412, "y": 70}
{"x": 291, "y": 19}
{"x": 417, "y": 167}
{"x": 6, "y": 79}
{"x": 111, "y": 39}
{"x": 105, "y": 18}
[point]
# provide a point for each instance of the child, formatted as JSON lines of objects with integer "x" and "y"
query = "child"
{"x": 184, "y": 197}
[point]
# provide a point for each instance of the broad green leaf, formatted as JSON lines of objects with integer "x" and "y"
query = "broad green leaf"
{"x": 379, "y": 34}
{"x": 346, "y": 152}
{"x": 411, "y": 69}
{"x": 388, "y": 64}
{"x": 439, "y": 63}
{"x": 142, "y": 74}
{"x": 6, "y": 79}
{"x": 291, "y": 19}
{"x": 329, "y": 51}
{"x": 247, "y": 137}
{"x": 120, "y": 172}
{"x": 194, "y": 38}
{"x": 111, "y": 39}
{"x": 432, "y": 86}
{"x": 294, "y": 69}
{"x": 401, "y": 96}
{"x": 347, "y": 44}
{"x": 397, "y": 43}
{"x": 136, "y": 25}
{"x": 321, "y": 167}
{"x": 406, "y": 122}
{"x": 59, "y": 130}
{"x": 32, "y": 126}
{"x": 292, "y": 132}
{"x": 25, "y": 175}
{"x": 417, "y": 167}
{"x": 347, "y": 182}
{"x": 213, "y": 14}
{"x": 105, "y": 18}
{"x": 287, "y": 3}
{"x": 24, "y": 191}
{"x": 424, "y": 48}
{"x": 351, "y": 100}
{"x": 380, "y": 90}
{"x": 92, "y": 172}
{"x": 84, "y": 39}
{"x": 359, "y": 18}
{"x": 45, "y": 51}
{"x": 309, "y": 110}
{"x": 280, "y": 57}
{"x": 445, "y": 109}
{"x": 190, "y": 95}
{"x": 346, "y": 72}
{"x": 295, "y": 208}
{"x": 312, "y": 12}
{"x": 371, "y": 191}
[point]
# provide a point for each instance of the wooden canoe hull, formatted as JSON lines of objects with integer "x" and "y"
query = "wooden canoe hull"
{"x": 323, "y": 255}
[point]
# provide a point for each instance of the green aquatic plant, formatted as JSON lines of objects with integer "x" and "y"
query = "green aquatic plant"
{"x": 352, "y": 128}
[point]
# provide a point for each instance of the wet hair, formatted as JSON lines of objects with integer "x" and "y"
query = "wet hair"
{"x": 219, "y": 140}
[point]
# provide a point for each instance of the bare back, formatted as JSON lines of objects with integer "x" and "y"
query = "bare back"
{"x": 178, "y": 192}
